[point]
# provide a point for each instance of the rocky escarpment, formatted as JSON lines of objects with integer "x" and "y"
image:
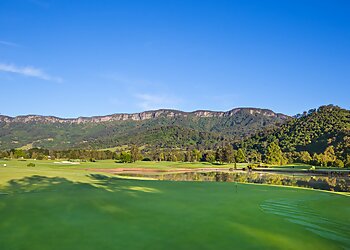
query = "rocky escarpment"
{"x": 167, "y": 113}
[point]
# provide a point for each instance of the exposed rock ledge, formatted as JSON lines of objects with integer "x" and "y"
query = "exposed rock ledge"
{"x": 139, "y": 116}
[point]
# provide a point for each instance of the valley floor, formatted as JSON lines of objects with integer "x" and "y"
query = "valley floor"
{"x": 52, "y": 206}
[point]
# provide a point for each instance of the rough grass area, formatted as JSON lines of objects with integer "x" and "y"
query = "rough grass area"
{"x": 113, "y": 164}
{"x": 147, "y": 164}
{"x": 46, "y": 208}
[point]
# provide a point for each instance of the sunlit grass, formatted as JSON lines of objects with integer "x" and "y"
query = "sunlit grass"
{"x": 65, "y": 207}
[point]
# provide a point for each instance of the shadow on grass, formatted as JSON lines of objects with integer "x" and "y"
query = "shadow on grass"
{"x": 113, "y": 184}
{"x": 217, "y": 164}
{"x": 37, "y": 183}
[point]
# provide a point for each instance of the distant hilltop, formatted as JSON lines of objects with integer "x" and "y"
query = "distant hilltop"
{"x": 146, "y": 115}
{"x": 313, "y": 131}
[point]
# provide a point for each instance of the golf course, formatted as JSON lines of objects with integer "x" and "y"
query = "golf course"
{"x": 174, "y": 125}
{"x": 57, "y": 206}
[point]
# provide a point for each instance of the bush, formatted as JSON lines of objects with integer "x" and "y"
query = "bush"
{"x": 254, "y": 165}
{"x": 125, "y": 157}
{"x": 31, "y": 165}
{"x": 338, "y": 163}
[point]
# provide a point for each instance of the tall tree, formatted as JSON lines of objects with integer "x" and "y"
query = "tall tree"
{"x": 305, "y": 157}
{"x": 254, "y": 156}
{"x": 347, "y": 162}
{"x": 227, "y": 154}
{"x": 135, "y": 153}
{"x": 219, "y": 155}
{"x": 209, "y": 157}
{"x": 196, "y": 155}
{"x": 329, "y": 156}
{"x": 274, "y": 154}
{"x": 125, "y": 157}
{"x": 240, "y": 157}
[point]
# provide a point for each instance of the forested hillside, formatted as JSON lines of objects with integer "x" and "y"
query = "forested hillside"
{"x": 163, "y": 128}
{"x": 319, "y": 132}
{"x": 320, "y": 137}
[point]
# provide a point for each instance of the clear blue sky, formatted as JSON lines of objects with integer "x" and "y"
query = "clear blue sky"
{"x": 83, "y": 58}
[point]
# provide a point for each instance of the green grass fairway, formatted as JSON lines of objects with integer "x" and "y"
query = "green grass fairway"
{"x": 113, "y": 164}
{"x": 42, "y": 208}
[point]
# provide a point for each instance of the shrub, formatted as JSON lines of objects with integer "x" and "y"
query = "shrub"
{"x": 125, "y": 157}
{"x": 338, "y": 163}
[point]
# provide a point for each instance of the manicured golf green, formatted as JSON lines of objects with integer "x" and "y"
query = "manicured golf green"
{"x": 42, "y": 208}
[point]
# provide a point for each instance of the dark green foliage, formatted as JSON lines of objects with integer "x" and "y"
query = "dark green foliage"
{"x": 40, "y": 154}
{"x": 219, "y": 156}
{"x": 347, "y": 161}
{"x": 182, "y": 130}
{"x": 274, "y": 155}
{"x": 209, "y": 157}
{"x": 313, "y": 132}
{"x": 125, "y": 157}
{"x": 305, "y": 157}
{"x": 240, "y": 156}
{"x": 320, "y": 137}
{"x": 338, "y": 163}
{"x": 254, "y": 156}
{"x": 135, "y": 153}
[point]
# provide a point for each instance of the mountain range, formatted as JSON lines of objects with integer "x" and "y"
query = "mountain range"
{"x": 252, "y": 129}
{"x": 164, "y": 127}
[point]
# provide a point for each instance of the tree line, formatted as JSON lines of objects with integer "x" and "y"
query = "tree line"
{"x": 225, "y": 153}
{"x": 320, "y": 137}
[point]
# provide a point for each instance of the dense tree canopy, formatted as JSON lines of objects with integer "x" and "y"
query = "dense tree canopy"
{"x": 313, "y": 132}
{"x": 320, "y": 137}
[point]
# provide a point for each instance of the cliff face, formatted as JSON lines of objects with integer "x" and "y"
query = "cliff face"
{"x": 163, "y": 128}
{"x": 147, "y": 115}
